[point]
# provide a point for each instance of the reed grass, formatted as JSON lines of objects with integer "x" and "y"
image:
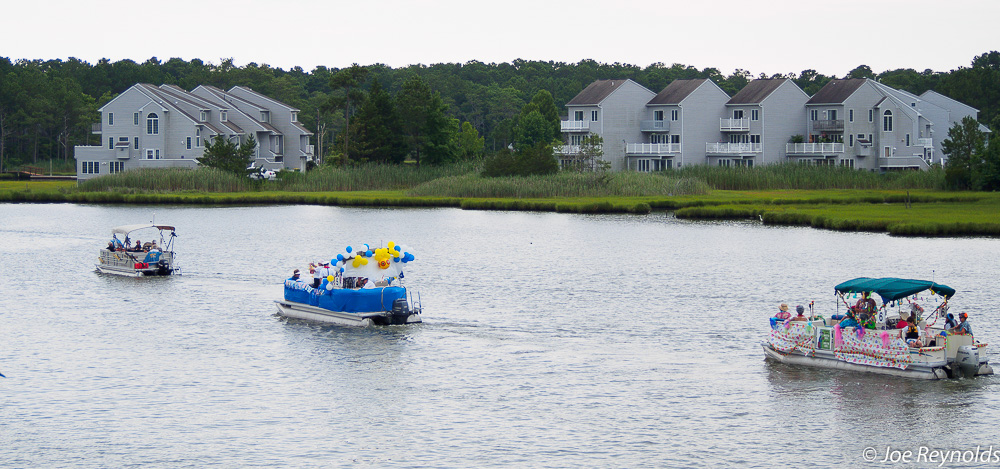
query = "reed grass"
{"x": 799, "y": 176}
{"x": 564, "y": 184}
{"x": 169, "y": 180}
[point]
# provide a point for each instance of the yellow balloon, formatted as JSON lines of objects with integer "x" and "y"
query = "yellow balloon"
{"x": 329, "y": 278}
{"x": 357, "y": 262}
{"x": 383, "y": 264}
{"x": 392, "y": 246}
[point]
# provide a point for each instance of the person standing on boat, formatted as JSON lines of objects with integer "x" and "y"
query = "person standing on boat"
{"x": 866, "y": 303}
{"x": 963, "y": 327}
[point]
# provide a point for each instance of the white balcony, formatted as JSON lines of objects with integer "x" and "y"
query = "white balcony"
{"x": 813, "y": 148}
{"x": 925, "y": 142}
{"x": 654, "y": 126}
{"x": 574, "y": 126}
{"x": 310, "y": 149}
{"x": 734, "y": 125}
{"x": 829, "y": 125}
{"x": 652, "y": 149}
{"x": 567, "y": 149}
{"x": 732, "y": 148}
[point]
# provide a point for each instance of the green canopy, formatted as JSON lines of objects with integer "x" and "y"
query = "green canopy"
{"x": 892, "y": 289}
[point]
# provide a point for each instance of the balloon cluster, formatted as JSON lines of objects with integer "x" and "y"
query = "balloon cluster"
{"x": 361, "y": 254}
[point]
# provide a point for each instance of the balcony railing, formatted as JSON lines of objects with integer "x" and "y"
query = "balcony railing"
{"x": 654, "y": 126}
{"x": 310, "y": 149}
{"x": 734, "y": 125}
{"x": 925, "y": 142}
{"x": 733, "y": 148}
{"x": 813, "y": 148}
{"x": 574, "y": 126}
{"x": 95, "y": 128}
{"x": 652, "y": 148}
{"x": 863, "y": 150}
{"x": 567, "y": 149}
{"x": 830, "y": 125}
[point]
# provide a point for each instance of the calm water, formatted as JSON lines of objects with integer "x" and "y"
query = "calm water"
{"x": 549, "y": 340}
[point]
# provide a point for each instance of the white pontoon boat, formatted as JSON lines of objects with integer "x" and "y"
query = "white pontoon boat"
{"x": 127, "y": 255}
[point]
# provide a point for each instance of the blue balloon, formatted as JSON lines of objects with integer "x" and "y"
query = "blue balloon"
{"x": 341, "y": 270}
{"x": 340, "y": 257}
{"x": 349, "y": 249}
{"x": 395, "y": 259}
{"x": 369, "y": 253}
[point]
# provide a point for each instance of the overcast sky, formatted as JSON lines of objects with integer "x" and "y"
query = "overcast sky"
{"x": 770, "y": 36}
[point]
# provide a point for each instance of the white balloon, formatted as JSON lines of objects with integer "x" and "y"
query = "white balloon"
{"x": 329, "y": 286}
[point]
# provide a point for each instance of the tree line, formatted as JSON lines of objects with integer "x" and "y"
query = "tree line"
{"x": 436, "y": 113}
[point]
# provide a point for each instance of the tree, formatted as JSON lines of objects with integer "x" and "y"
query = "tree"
{"x": 377, "y": 123}
{"x": 588, "y": 157}
{"x": 226, "y": 155}
{"x": 965, "y": 147}
{"x": 468, "y": 143}
{"x": 532, "y": 129}
{"x": 425, "y": 122}
{"x": 349, "y": 81}
{"x": 861, "y": 71}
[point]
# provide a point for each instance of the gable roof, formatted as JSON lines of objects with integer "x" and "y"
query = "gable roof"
{"x": 943, "y": 101}
{"x": 757, "y": 91}
{"x": 837, "y": 91}
{"x": 253, "y": 93}
{"x": 596, "y": 92}
{"x": 676, "y": 91}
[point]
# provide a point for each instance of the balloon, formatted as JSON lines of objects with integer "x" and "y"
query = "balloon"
{"x": 329, "y": 278}
{"x": 368, "y": 253}
{"x": 341, "y": 270}
{"x": 383, "y": 264}
{"x": 364, "y": 261}
{"x": 349, "y": 249}
{"x": 340, "y": 257}
{"x": 357, "y": 262}
{"x": 329, "y": 286}
{"x": 391, "y": 246}
{"x": 395, "y": 259}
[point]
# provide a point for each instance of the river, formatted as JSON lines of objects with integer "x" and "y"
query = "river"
{"x": 549, "y": 340}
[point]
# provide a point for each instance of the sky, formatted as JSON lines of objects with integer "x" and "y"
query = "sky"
{"x": 771, "y": 36}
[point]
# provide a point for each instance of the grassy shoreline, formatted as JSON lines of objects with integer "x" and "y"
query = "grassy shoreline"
{"x": 909, "y": 204}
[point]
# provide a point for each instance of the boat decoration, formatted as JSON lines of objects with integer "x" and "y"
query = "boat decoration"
{"x": 127, "y": 255}
{"x": 871, "y": 338}
{"x": 361, "y": 286}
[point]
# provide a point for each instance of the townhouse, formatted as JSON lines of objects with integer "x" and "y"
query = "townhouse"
{"x": 612, "y": 109}
{"x": 678, "y": 122}
{"x": 759, "y": 120}
{"x": 149, "y": 126}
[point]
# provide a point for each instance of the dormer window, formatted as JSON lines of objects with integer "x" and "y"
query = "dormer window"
{"x": 204, "y": 116}
{"x": 223, "y": 116}
{"x": 265, "y": 116}
{"x": 295, "y": 117}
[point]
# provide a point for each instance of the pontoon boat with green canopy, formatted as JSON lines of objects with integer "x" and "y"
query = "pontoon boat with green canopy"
{"x": 877, "y": 345}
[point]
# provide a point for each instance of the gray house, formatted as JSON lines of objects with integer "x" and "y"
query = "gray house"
{"x": 678, "y": 122}
{"x": 160, "y": 127}
{"x": 861, "y": 123}
{"x": 759, "y": 121}
{"x": 612, "y": 109}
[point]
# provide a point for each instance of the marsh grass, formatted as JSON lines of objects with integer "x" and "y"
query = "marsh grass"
{"x": 564, "y": 184}
{"x": 799, "y": 176}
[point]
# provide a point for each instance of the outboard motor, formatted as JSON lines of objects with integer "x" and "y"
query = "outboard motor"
{"x": 162, "y": 268}
{"x": 400, "y": 311}
{"x": 967, "y": 360}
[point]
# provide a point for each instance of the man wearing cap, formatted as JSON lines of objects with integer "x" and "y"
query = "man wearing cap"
{"x": 295, "y": 275}
{"x": 963, "y": 326}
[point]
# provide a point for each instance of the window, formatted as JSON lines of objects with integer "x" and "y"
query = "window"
{"x": 116, "y": 167}
{"x": 265, "y": 116}
{"x": 887, "y": 152}
{"x": 157, "y": 153}
{"x": 754, "y": 114}
{"x": 737, "y": 113}
{"x": 871, "y": 115}
{"x": 223, "y": 116}
{"x": 593, "y": 116}
{"x": 152, "y": 124}
{"x": 197, "y": 138}
{"x": 831, "y": 114}
{"x": 187, "y": 143}
{"x": 295, "y": 117}
{"x": 135, "y": 143}
{"x": 90, "y": 167}
{"x": 851, "y": 140}
{"x": 675, "y": 139}
{"x": 659, "y": 138}
{"x": 847, "y": 163}
{"x": 814, "y": 115}
{"x": 658, "y": 115}
{"x": 123, "y": 142}
{"x": 755, "y": 138}
{"x": 907, "y": 139}
{"x": 135, "y": 118}
{"x": 149, "y": 154}
{"x": 278, "y": 144}
{"x": 111, "y": 143}
{"x": 111, "y": 118}
{"x": 887, "y": 121}
{"x": 578, "y": 115}
{"x": 674, "y": 114}
{"x": 850, "y": 115}
{"x": 204, "y": 116}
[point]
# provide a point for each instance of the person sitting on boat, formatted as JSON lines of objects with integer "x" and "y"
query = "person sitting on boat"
{"x": 111, "y": 245}
{"x": 783, "y": 312}
{"x": 963, "y": 327}
{"x": 904, "y": 320}
{"x": 950, "y": 322}
{"x": 912, "y": 336}
{"x": 851, "y": 318}
{"x": 866, "y": 304}
{"x": 295, "y": 275}
{"x": 800, "y": 314}
{"x": 138, "y": 246}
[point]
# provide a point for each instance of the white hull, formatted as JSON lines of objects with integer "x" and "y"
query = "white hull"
{"x": 819, "y": 361}
{"x": 292, "y": 309}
